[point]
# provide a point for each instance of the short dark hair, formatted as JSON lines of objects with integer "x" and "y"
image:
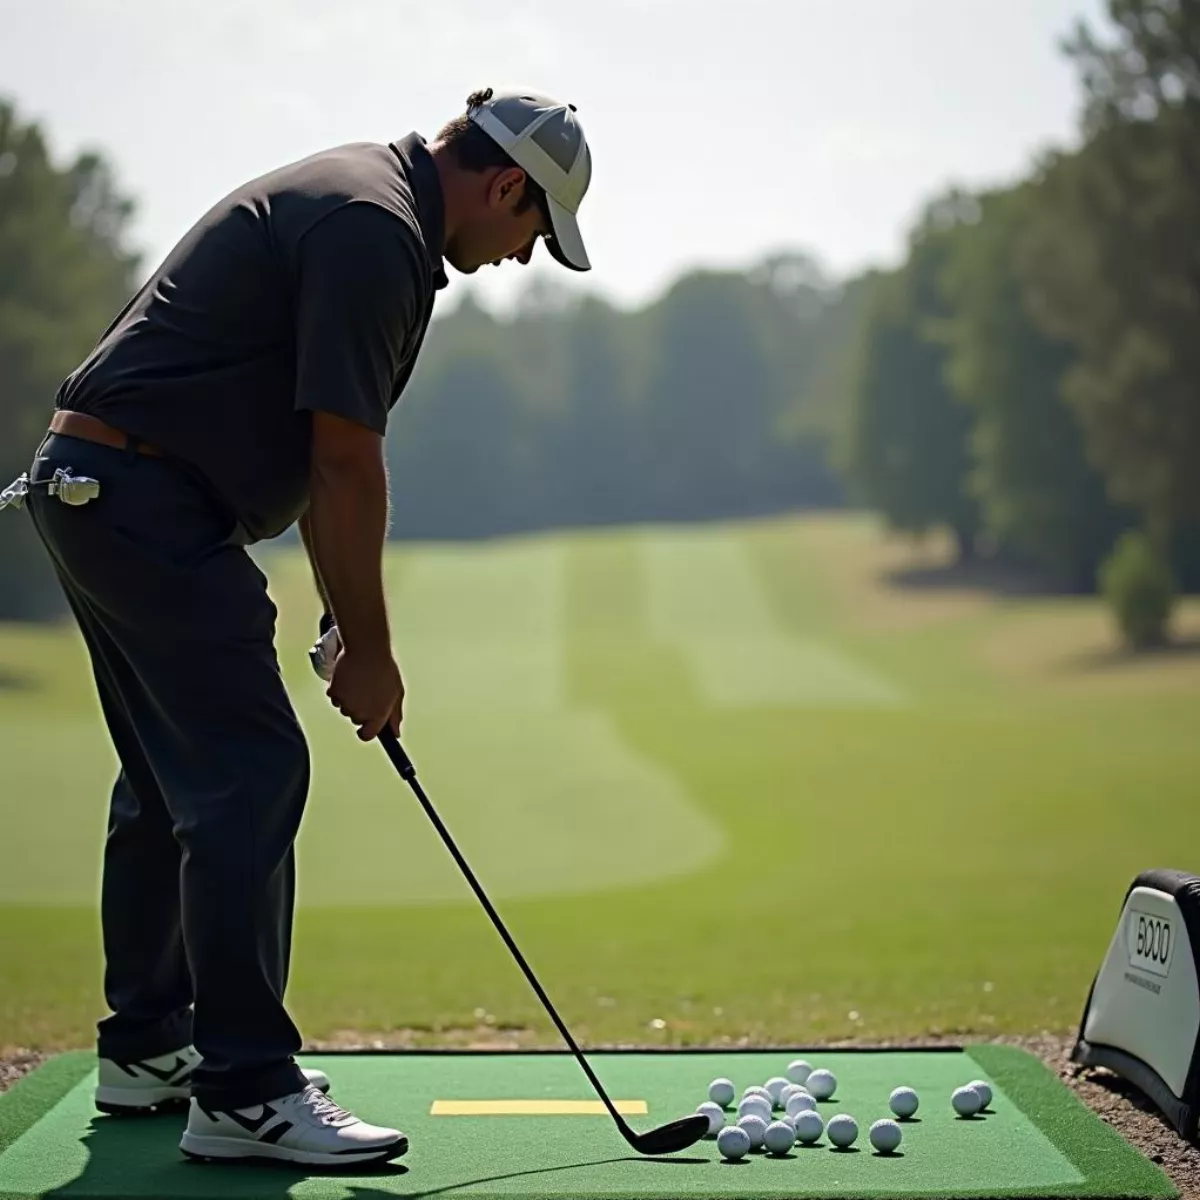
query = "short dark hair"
{"x": 475, "y": 150}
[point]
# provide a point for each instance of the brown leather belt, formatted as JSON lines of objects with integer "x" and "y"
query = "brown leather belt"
{"x": 92, "y": 429}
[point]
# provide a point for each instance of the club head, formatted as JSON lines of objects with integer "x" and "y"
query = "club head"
{"x": 668, "y": 1139}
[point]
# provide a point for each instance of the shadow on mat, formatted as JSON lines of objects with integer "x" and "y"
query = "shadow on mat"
{"x": 599, "y": 1162}
{"x": 140, "y": 1157}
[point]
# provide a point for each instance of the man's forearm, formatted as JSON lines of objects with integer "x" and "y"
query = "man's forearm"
{"x": 306, "y": 537}
{"x": 347, "y": 521}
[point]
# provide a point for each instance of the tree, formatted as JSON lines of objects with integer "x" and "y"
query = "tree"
{"x": 1040, "y": 497}
{"x": 593, "y": 443}
{"x": 908, "y": 439}
{"x": 64, "y": 274}
{"x": 1113, "y": 257}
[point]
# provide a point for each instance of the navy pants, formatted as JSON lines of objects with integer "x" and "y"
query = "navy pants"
{"x": 199, "y": 867}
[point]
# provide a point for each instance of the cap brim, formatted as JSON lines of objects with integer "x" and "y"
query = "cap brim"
{"x": 567, "y": 243}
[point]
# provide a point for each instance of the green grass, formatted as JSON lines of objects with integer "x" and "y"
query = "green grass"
{"x": 719, "y": 777}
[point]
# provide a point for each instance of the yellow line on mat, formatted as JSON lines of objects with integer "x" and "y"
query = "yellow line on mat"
{"x": 534, "y": 1108}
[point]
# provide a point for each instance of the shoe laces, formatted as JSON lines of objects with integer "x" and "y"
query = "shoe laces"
{"x": 324, "y": 1108}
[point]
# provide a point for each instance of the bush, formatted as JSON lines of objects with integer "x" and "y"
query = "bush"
{"x": 1137, "y": 583}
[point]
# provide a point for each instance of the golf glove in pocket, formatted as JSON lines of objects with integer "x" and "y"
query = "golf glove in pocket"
{"x": 326, "y": 649}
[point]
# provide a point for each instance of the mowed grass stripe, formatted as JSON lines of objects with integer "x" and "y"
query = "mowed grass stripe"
{"x": 540, "y": 806}
{"x": 613, "y": 661}
{"x": 482, "y": 627}
{"x": 540, "y": 797}
{"x": 705, "y": 599}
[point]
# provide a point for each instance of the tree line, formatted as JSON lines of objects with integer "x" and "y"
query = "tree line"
{"x": 1030, "y": 378}
{"x": 1027, "y": 379}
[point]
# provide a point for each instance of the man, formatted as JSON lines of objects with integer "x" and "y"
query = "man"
{"x": 247, "y": 387}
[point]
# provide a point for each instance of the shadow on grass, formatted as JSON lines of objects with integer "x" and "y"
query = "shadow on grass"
{"x": 1113, "y": 658}
{"x": 10, "y": 681}
{"x": 140, "y": 1157}
{"x": 981, "y": 575}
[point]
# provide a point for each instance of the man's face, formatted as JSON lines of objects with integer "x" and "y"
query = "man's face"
{"x": 495, "y": 230}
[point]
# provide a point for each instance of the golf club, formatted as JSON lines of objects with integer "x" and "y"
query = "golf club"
{"x": 667, "y": 1139}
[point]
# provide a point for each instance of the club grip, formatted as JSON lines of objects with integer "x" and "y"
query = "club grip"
{"x": 400, "y": 760}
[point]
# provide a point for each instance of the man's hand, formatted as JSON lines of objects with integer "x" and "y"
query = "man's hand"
{"x": 368, "y": 689}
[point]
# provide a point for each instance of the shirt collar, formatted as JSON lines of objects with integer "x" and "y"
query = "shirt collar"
{"x": 431, "y": 202}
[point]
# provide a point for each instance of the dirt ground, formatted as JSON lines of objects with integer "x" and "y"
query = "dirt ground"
{"x": 1114, "y": 1101}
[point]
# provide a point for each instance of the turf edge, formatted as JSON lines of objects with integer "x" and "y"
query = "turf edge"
{"x": 1109, "y": 1164}
{"x": 30, "y": 1099}
{"x": 24, "y": 1104}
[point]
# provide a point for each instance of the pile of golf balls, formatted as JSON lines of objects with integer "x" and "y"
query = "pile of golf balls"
{"x": 782, "y": 1113}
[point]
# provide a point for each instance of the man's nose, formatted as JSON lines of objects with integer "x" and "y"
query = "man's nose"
{"x": 523, "y": 256}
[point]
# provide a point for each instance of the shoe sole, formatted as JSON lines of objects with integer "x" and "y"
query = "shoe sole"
{"x": 226, "y": 1150}
{"x": 144, "y": 1102}
{"x": 140, "y": 1102}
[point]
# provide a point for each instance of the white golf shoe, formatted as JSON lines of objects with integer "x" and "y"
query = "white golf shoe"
{"x": 304, "y": 1127}
{"x": 154, "y": 1084}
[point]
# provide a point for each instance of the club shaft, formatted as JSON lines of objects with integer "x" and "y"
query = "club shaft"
{"x": 403, "y": 765}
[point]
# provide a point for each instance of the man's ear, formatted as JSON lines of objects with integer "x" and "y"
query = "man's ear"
{"x": 507, "y": 187}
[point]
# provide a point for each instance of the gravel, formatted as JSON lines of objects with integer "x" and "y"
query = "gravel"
{"x": 1108, "y": 1095}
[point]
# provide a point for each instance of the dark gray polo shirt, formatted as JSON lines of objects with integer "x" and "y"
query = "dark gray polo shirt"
{"x": 310, "y": 288}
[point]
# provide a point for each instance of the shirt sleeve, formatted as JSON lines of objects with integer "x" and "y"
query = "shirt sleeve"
{"x": 358, "y": 301}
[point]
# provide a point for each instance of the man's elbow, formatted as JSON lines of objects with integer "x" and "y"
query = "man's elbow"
{"x": 341, "y": 446}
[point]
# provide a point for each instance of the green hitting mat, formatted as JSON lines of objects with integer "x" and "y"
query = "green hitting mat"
{"x": 528, "y": 1126}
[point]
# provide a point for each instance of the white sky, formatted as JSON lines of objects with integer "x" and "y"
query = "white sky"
{"x": 719, "y": 130}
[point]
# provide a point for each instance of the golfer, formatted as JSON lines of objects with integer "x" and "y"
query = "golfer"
{"x": 246, "y": 388}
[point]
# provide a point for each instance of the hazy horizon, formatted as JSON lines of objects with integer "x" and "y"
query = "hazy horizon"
{"x": 818, "y": 126}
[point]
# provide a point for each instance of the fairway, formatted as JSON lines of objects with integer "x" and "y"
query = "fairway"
{"x": 723, "y": 780}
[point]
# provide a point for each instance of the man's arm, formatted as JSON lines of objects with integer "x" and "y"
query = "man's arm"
{"x": 360, "y": 294}
{"x": 358, "y": 299}
{"x": 306, "y": 537}
{"x": 347, "y": 522}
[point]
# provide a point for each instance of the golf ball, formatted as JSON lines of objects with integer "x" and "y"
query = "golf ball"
{"x": 799, "y": 1102}
{"x": 808, "y": 1126}
{"x": 967, "y": 1101}
{"x": 716, "y": 1117}
{"x": 721, "y": 1092}
{"x": 733, "y": 1142}
{"x": 799, "y": 1071}
{"x": 903, "y": 1102}
{"x": 774, "y": 1087}
{"x": 756, "y": 1089}
{"x": 755, "y": 1106}
{"x": 779, "y": 1137}
{"x": 885, "y": 1136}
{"x": 842, "y": 1130}
{"x": 984, "y": 1089}
{"x": 755, "y": 1128}
{"x": 822, "y": 1084}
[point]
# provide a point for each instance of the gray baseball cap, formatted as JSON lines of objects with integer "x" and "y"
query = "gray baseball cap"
{"x": 545, "y": 139}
